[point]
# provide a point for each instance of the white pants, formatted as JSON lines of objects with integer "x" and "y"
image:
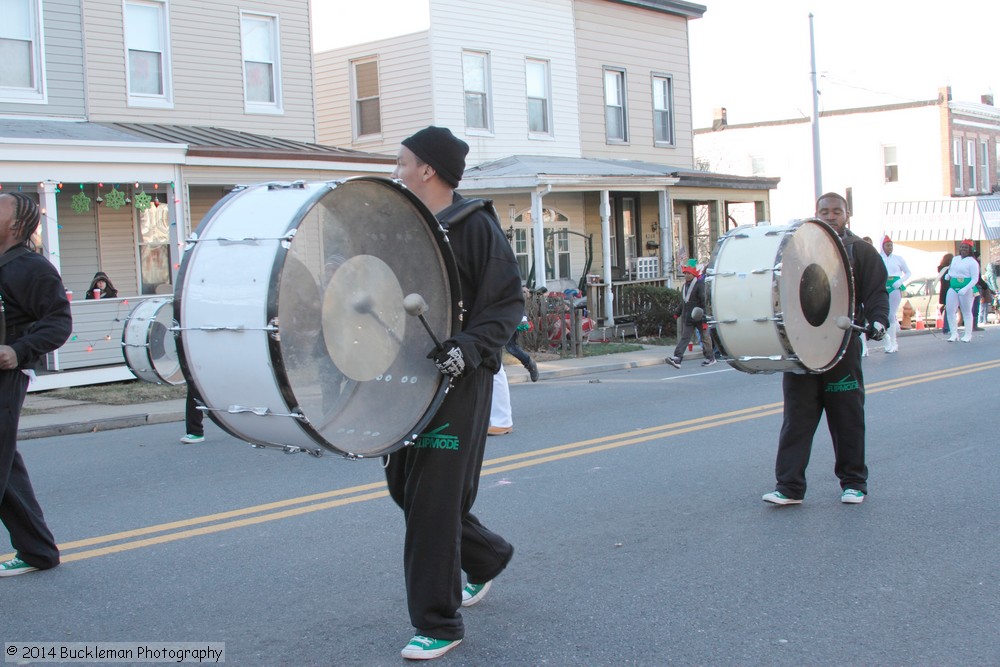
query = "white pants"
{"x": 895, "y": 296}
{"x": 500, "y": 412}
{"x": 952, "y": 303}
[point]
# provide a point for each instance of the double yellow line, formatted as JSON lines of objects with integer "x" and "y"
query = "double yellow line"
{"x": 249, "y": 516}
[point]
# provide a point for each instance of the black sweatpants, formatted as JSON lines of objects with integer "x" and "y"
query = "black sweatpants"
{"x": 435, "y": 481}
{"x": 685, "y": 335}
{"x": 19, "y": 510}
{"x": 194, "y": 419}
{"x": 840, "y": 392}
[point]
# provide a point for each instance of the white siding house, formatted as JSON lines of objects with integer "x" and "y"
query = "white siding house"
{"x": 421, "y": 80}
{"x": 924, "y": 172}
{"x": 525, "y": 84}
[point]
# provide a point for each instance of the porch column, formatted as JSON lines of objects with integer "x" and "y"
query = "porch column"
{"x": 609, "y": 297}
{"x": 178, "y": 229}
{"x": 539, "y": 228}
{"x": 49, "y": 227}
{"x": 49, "y": 224}
{"x": 666, "y": 236}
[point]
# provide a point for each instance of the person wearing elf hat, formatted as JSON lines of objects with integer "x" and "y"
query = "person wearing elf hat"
{"x": 840, "y": 391}
{"x": 899, "y": 273}
{"x": 692, "y": 296}
{"x": 962, "y": 276}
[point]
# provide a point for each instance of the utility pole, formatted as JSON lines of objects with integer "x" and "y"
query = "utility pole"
{"x": 817, "y": 169}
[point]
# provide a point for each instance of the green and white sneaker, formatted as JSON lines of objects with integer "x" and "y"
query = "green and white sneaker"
{"x": 427, "y": 648}
{"x": 14, "y": 567}
{"x": 473, "y": 593}
{"x": 852, "y": 496}
{"x": 778, "y": 498}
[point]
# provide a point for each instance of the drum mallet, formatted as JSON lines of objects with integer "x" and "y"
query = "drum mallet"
{"x": 844, "y": 322}
{"x": 414, "y": 304}
{"x": 697, "y": 314}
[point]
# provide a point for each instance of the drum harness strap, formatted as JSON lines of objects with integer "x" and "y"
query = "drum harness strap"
{"x": 849, "y": 240}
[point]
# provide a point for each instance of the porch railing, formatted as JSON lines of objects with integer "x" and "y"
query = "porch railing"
{"x": 97, "y": 334}
{"x": 623, "y": 307}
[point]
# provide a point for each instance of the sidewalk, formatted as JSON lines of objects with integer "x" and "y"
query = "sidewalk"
{"x": 56, "y": 416}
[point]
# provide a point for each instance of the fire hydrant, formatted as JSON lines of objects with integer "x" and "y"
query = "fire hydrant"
{"x": 908, "y": 313}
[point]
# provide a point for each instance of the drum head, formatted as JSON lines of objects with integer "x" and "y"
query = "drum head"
{"x": 319, "y": 348}
{"x": 816, "y": 287}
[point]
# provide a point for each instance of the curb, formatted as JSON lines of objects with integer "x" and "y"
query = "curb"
{"x": 96, "y": 425}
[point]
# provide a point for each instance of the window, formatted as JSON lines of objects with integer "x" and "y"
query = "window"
{"x": 956, "y": 162}
{"x": 22, "y": 74}
{"x": 615, "y": 113}
{"x": 663, "y": 114}
{"x": 984, "y": 164}
{"x": 890, "y": 165}
{"x": 367, "y": 110}
{"x": 970, "y": 160}
{"x": 758, "y": 165}
{"x": 146, "y": 43}
{"x": 261, "y": 66}
{"x": 539, "y": 105}
{"x": 557, "y": 246}
{"x": 624, "y": 231}
{"x": 557, "y": 254}
{"x": 476, "y": 73}
{"x": 522, "y": 251}
{"x": 153, "y": 226}
{"x": 996, "y": 165}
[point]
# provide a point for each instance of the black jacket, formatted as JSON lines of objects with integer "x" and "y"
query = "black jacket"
{"x": 490, "y": 282}
{"x": 871, "y": 301}
{"x": 695, "y": 300}
{"x": 37, "y": 312}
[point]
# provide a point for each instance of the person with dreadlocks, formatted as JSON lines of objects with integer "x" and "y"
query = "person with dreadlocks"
{"x": 37, "y": 320}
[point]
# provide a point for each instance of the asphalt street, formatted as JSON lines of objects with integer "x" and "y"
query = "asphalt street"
{"x": 632, "y": 498}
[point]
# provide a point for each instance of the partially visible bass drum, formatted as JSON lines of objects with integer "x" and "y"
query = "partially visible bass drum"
{"x": 775, "y": 294}
{"x": 292, "y": 325}
{"x": 148, "y": 342}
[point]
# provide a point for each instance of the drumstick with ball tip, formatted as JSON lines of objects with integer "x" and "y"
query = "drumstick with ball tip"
{"x": 844, "y": 322}
{"x": 414, "y": 304}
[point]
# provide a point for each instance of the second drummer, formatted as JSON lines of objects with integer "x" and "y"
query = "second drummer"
{"x": 840, "y": 391}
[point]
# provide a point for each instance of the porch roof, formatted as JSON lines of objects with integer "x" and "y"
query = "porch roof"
{"x": 534, "y": 172}
{"x": 210, "y": 142}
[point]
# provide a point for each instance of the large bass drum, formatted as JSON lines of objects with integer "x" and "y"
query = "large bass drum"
{"x": 148, "y": 342}
{"x": 775, "y": 294}
{"x": 292, "y": 325}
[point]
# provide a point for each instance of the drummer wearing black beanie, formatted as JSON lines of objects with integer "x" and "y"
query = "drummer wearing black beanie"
{"x": 442, "y": 150}
{"x": 436, "y": 479}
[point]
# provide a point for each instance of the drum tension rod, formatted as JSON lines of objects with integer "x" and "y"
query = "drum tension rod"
{"x": 288, "y": 449}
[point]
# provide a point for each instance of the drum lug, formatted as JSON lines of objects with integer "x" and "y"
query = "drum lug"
{"x": 294, "y": 185}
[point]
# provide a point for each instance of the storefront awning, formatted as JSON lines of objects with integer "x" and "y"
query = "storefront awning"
{"x": 934, "y": 220}
{"x": 989, "y": 213}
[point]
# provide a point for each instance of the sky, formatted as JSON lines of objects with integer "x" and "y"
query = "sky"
{"x": 753, "y": 56}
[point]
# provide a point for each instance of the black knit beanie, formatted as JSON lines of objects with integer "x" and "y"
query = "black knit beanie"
{"x": 441, "y": 149}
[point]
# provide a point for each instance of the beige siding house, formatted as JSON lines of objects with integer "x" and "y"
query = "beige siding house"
{"x": 179, "y": 102}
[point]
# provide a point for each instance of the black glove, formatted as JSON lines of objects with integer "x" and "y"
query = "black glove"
{"x": 875, "y": 331}
{"x": 449, "y": 359}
